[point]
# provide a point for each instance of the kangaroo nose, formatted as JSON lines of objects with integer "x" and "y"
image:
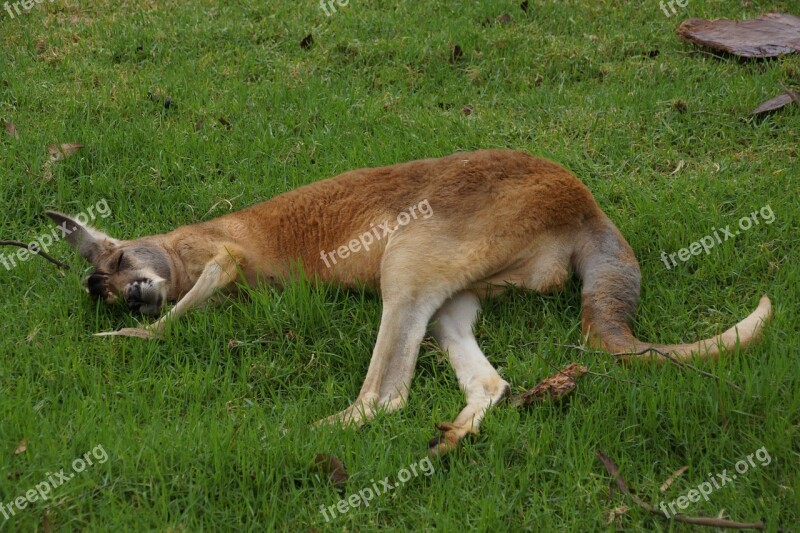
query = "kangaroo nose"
{"x": 135, "y": 292}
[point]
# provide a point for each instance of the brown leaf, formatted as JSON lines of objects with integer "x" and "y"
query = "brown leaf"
{"x": 467, "y": 111}
{"x": 307, "y": 41}
{"x": 331, "y": 466}
{"x": 63, "y": 151}
{"x": 771, "y": 34}
{"x": 41, "y": 45}
{"x": 47, "y": 524}
{"x": 555, "y": 387}
{"x": 22, "y": 447}
{"x": 58, "y": 153}
{"x": 198, "y": 125}
{"x": 671, "y": 479}
{"x": 773, "y": 104}
{"x": 678, "y": 168}
{"x": 159, "y": 97}
{"x": 505, "y": 18}
{"x": 11, "y": 129}
{"x": 456, "y": 54}
{"x": 615, "y": 513}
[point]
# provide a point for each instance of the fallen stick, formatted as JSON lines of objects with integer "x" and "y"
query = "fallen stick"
{"x": 613, "y": 470}
{"x": 669, "y": 357}
{"x": 36, "y": 251}
{"x": 680, "y": 363}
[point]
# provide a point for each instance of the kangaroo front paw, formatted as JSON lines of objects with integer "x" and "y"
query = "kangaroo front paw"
{"x": 142, "y": 333}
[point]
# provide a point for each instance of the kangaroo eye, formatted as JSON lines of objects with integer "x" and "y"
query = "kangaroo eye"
{"x": 119, "y": 261}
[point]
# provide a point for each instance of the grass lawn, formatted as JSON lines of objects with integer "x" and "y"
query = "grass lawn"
{"x": 210, "y": 429}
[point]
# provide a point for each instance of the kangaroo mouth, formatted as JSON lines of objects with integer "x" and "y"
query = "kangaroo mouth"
{"x": 144, "y": 296}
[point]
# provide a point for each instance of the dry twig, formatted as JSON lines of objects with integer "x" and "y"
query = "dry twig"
{"x": 613, "y": 470}
{"x": 37, "y": 252}
{"x": 679, "y": 363}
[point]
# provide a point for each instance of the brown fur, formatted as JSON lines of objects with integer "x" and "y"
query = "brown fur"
{"x": 499, "y": 217}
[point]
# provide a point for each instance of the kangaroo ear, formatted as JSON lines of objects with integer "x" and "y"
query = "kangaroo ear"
{"x": 89, "y": 242}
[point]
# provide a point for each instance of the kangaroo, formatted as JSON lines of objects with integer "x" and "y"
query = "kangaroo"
{"x": 433, "y": 237}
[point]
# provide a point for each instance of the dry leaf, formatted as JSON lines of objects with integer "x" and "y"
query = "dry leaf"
{"x": 33, "y": 333}
{"x": 47, "y": 524}
{"x": 331, "y": 466}
{"x": 505, "y": 18}
{"x": 456, "y": 54}
{"x": 22, "y": 447}
{"x": 613, "y": 514}
{"x": 159, "y": 97}
{"x": 12, "y": 129}
{"x": 671, "y": 479}
{"x": 769, "y": 35}
{"x": 58, "y": 153}
{"x": 555, "y": 387}
{"x": 467, "y": 111}
{"x": 773, "y": 104}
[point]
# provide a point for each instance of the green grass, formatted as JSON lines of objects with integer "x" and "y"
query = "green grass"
{"x": 204, "y": 434}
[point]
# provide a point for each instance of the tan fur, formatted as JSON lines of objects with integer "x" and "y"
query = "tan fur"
{"x": 499, "y": 218}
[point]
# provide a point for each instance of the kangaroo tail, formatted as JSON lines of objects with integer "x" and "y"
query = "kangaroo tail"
{"x": 610, "y": 274}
